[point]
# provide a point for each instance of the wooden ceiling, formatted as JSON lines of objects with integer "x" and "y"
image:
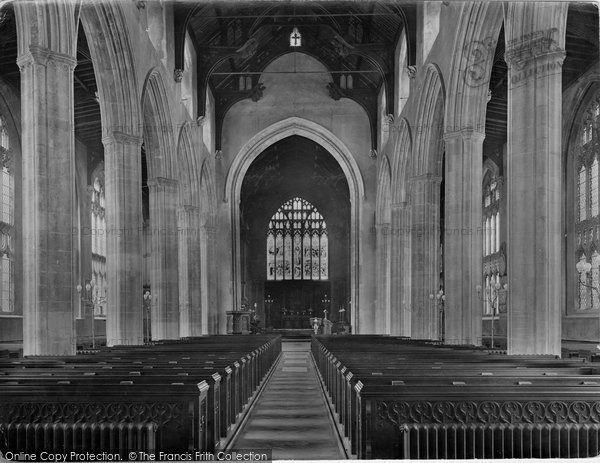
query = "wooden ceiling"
{"x": 583, "y": 52}
{"x": 348, "y": 36}
{"x": 87, "y": 110}
{"x": 243, "y": 37}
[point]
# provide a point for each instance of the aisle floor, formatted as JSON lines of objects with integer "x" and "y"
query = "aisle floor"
{"x": 291, "y": 416}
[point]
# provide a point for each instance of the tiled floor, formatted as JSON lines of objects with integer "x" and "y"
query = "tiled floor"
{"x": 291, "y": 416}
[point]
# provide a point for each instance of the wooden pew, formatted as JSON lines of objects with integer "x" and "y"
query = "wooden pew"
{"x": 189, "y": 371}
{"x": 393, "y": 413}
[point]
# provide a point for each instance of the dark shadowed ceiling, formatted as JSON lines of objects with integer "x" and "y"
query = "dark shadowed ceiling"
{"x": 348, "y": 37}
{"x": 294, "y": 166}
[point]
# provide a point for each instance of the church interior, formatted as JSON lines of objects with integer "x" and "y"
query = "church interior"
{"x": 315, "y": 229}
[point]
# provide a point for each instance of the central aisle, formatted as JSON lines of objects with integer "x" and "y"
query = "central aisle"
{"x": 291, "y": 416}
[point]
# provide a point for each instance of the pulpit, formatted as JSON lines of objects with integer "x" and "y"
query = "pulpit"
{"x": 238, "y": 321}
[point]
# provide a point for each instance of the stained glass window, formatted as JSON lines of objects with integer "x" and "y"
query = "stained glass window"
{"x": 270, "y": 255}
{"x": 4, "y": 139}
{"x": 492, "y": 238}
{"x": 6, "y": 221}
{"x": 98, "y": 222}
{"x": 594, "y": 187}
{"x": 582, "y": 194}
{"x": 587, "y": 206}
{"x": 595, "y": 279}
{"x": 297, "y": 243}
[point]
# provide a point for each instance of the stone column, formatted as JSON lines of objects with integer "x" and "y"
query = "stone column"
{"x": 425, "y": 244}
{"x": 85, "y": 235}
{"x": 190, "y": 291}
{"x": 210, "y": 314}
{"x": 48, "y": 163}
{"x": 124, "y": 230}
{"x": 463, "y": 237}
{"x": 400, "y": 273}
{"x": 164, "y": 256}
{"x": 382, "y": 240}
{"x": 535, "y": 53}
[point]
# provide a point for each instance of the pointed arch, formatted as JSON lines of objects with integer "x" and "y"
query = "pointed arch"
{"x": 114, "y": 66}
{"x": 158, "y": 129}
{"x": 324, "y": 137}
{"x": 428, "y": 147}
{"x": 188, "y": 164}
{"x": 491, "y": 167}
{"x": 384, "y": 199}
{"x": 51, "y": 25}
{"x": 401, "y": 160}
{"x": 208, "y": 194}
{"x": 474, "y": 49}
{"x": 283, "y": 129}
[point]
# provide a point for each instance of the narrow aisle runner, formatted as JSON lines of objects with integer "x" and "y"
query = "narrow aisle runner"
{"x": 291, "y": 416}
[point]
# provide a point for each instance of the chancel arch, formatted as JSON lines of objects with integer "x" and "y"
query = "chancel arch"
{"x": 344, "y": 158}
{"x": 295, "y": 230}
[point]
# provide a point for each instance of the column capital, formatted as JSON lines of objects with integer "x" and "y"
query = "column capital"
{"x": 122, "y": 138}
{"x": 41, "y": 55}
{"x": 163, "y": 183}
{"x": 426, "y": 178}
{"x": 403, "y": 205}
{"x": 523, "y": 54}
{"x": 382, "y": 225}
{"x": 467, "y": 134}
{"x": 189, "y": 209}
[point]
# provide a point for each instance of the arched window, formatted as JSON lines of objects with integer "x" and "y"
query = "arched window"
{"x": 587, "y": 227}
{"x": 6, "y": 221}
{"x": 493, "y": 270}
{"x": 99, "y": 246}
{"x": 297, "y": 243}
{"x": 491, "y": 215}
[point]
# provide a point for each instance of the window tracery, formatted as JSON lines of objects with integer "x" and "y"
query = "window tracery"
{"x": 297, "y": 243}
{"x": 492, "y": 198}
{"x": 6, "y": 221}
{"x": 587, "y": 228}
{"x": 98, "y": 218}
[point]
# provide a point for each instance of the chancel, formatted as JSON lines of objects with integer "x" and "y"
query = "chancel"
{"x": 329, "y": 229}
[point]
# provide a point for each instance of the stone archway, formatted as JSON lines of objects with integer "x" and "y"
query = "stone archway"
{"x": 252, "y": 149}
{"x": 424, "y": 186}
{"x": 464, "y": 132}
{"x": 120, "y": 111}
{"x": 158, "y": 135}
{"x": 383, "y": 237}
{"x": 190, "y": 288}
{"x": 400, "y": 271}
